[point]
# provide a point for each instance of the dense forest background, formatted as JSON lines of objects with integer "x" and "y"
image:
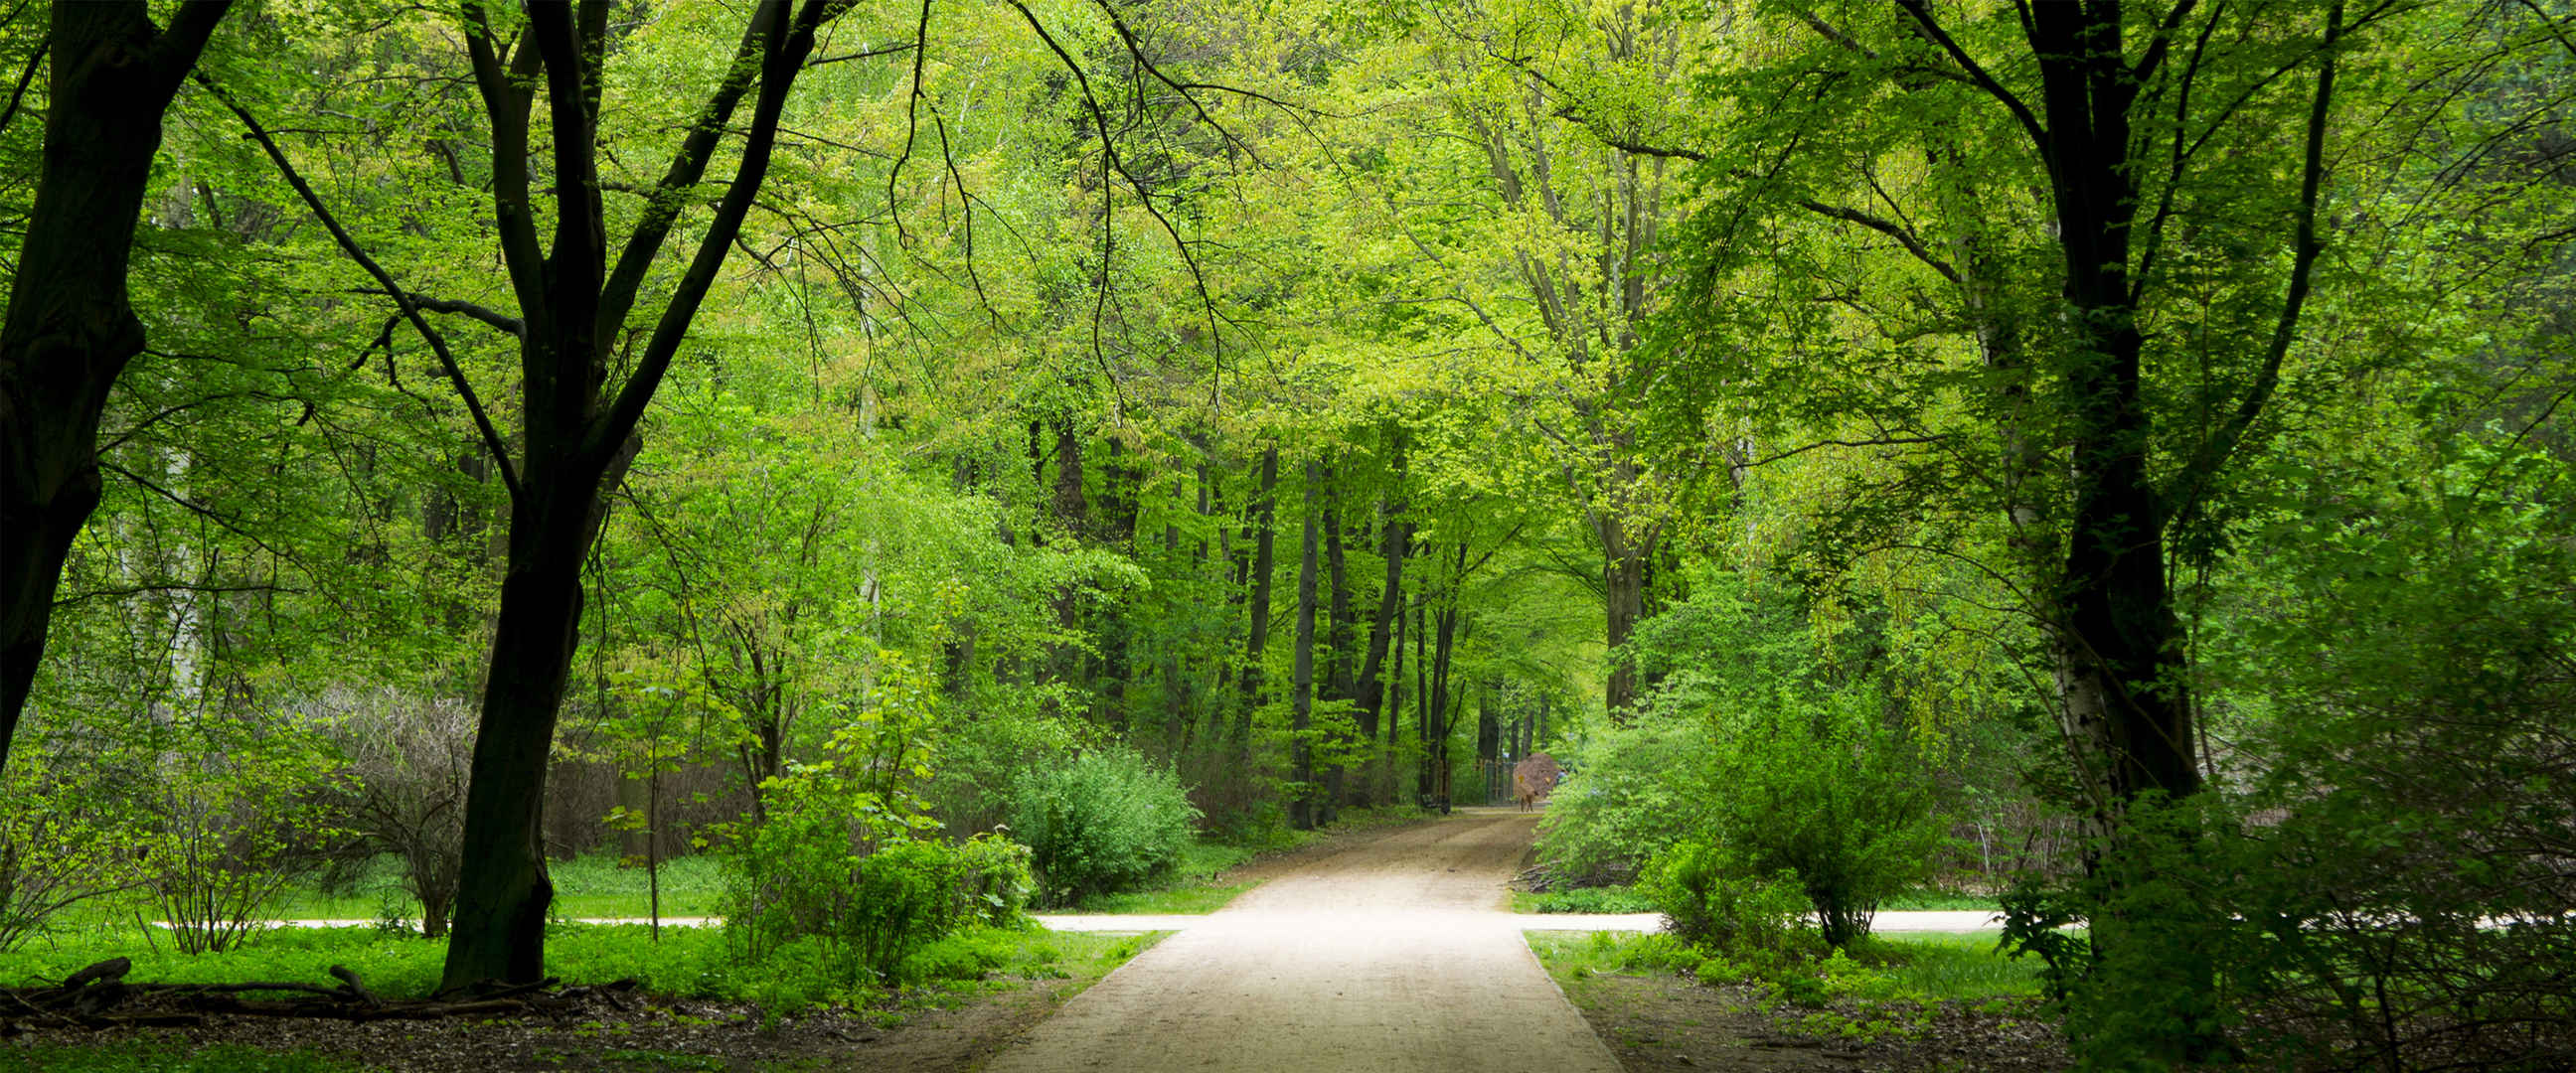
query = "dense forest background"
{"x": 2113, "y": 454}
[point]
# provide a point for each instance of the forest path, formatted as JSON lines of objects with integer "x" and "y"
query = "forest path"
{"x": 1393, "y": 955}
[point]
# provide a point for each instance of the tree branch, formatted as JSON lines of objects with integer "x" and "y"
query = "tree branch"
{"x": 786, "y": 47}
{"x": 27, "y": 77}
{"x": 2303, "y": 259}
{"x": 1922, "y": 15}
{"x": 502, "y": 322}
{"x": 492, "y": 441}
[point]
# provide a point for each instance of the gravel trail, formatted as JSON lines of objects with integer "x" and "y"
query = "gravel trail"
{"x": 1393, "y": 955}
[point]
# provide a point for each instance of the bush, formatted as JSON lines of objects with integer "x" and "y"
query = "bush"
{"x": 1107, "y": 822}
{"x": 236, "y": 817}
{"x": 1630, "y": 794}
{"x": 408, "y": 761}
{"x": 871, "y": 910}
{"x": 59, "y": 843}
{"x": 1822, "y": 789}
{"x": 1709, "y": 902}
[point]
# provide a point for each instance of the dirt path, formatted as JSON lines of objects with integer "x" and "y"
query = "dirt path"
{"x": 1392, "y": 955}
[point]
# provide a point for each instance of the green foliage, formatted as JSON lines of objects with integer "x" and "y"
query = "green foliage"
{"x": 235, "y": 817}
{"x": 60, "y": 846}
{"x": 1824, "y": 792}
{"x": 1111, "y": 820}
{"x": 1585, "y": 900}
{"x": 1711, "y": 901}
{"x": 1630, "y": 793}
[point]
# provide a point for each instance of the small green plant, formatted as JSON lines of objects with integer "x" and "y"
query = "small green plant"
{"x": 1619, "y": 899}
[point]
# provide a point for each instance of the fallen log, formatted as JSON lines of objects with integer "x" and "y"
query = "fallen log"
{"x": 99, "y": 996}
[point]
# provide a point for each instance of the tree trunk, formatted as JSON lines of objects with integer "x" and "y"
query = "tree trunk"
{"x": 70, "y": 327}
{"x": 1423, "y": 713}
{"x": 1301, "y": 801}
{"x": 1623, "y": 592}
{"x": 1435, "y": 731}
{"x": 1257, "y": 645}
{"x": 1489, "y": 723}
{"x": 579, "y": 420}
{"x": 2119, "y": 642}
{"x": 1342, "y": 682}
{"x": 1072, "y": 517}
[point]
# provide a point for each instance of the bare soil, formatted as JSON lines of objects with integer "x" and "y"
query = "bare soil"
{"x": 1662, "y": 1023}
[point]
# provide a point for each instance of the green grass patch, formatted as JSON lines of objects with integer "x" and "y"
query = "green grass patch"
{"x": 689, "y": 962}
{"x": 1911, "y": 968}
{"x": 1583, "y": 900}
{"x": 1954, "y": 968}
{"x": 595, "y": 884}
{"x": 1193, "y": 899}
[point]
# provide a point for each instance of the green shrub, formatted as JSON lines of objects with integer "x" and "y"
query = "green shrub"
{"x": 1630, "y": 793}
{"x": 1822, "y": 788}
{"x": 877, "y": 908}
{"x": 1109, "y": 821}
{"x": 1711, "y": 903}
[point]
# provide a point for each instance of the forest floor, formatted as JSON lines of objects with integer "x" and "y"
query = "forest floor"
{"x": 1380, "y": 949}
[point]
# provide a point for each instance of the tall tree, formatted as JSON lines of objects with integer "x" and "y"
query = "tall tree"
{"x": 580, "y": 418}
{"x": 71, "y": 327}
{"x": 1301, "y": 770}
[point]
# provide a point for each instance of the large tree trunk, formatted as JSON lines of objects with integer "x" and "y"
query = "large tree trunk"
{"x": 1301, "y": 802}
{"x": 1623, "y": 592}
{"x": 499, "y": 931}
{"x": 1396, "y": 537}
{"x": 2120, "y": 663}
{"x": 70, "y": 328}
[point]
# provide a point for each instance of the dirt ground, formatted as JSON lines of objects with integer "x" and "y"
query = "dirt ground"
{"x": 1392, "y": 954}
{"x": 1662, "y": 1023}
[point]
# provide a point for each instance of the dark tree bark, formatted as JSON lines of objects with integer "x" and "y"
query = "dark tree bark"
{"x": 1257, "y": 645}
{"x": 1396, "y": 537}
{"x": 579, "y": 421}
{"x": 1625, "y": 555}
{"x": 1116, "y": 520}
{"x": 71, "y": 329}
{"x": 1301, "y": 803}
{"x": 1424, "y": 716}
{"x": 1436, "y": 710}
{"x": 1489, "y": 722}
{"x": 1341, "y": 679}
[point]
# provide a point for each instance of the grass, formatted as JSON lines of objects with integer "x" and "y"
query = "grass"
{"x": 687, "y": 962}
{"x": 1583, "y": 900}
{"x": 1910, "y": 968}
{"x": 1957, "y": 968}
{"x": 595, "y": 884}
